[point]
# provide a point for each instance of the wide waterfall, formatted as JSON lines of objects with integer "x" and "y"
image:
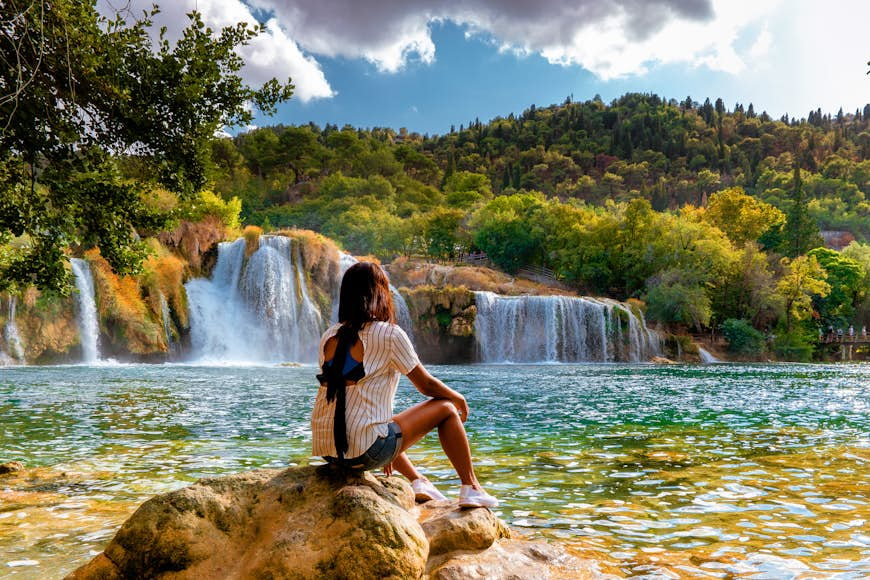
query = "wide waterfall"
{"x": 560, "y": 329}
{"x": 254, "y": 310}
{"x": 86, "y": 310}
{"x": 14, "y": 351}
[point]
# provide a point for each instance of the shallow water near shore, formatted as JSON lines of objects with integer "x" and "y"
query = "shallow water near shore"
{"x": 687, "y": 471}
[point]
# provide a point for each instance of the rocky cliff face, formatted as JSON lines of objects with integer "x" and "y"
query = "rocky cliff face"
{"x": 317, "y": 522}
{"x": 443, "y": 321}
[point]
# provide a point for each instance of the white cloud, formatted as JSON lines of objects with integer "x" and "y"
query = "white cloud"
{"x": 612, "y": 38}
{"x": 761, "y": 47}
{"x": 272, "y": 54}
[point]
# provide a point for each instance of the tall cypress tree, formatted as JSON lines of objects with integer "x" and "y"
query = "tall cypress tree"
{"x": 801, "y": 232}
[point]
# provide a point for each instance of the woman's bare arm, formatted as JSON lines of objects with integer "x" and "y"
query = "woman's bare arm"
{"x": 432, "y": 387}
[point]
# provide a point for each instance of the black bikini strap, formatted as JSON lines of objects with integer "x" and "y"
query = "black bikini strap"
{"x": 336, "y": 384}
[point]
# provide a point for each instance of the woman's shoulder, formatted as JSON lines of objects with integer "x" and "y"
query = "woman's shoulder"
{"x": 381, "y": 329}
{"x": 330, "y": 332}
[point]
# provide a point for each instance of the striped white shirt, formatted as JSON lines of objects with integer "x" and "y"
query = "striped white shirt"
{"x": 387, "y": 351}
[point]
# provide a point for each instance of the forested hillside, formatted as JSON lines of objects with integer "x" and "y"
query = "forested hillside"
{"x": 707, "y": 213}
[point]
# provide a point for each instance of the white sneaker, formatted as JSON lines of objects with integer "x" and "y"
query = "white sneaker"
{"x": 470, "y": 497}
{"x": 425, "y": 491}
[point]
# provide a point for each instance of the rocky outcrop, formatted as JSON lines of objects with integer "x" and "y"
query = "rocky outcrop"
{"x": 449, "y": 528}
{"x": 514, "y": 560}
{"x": 11, "y": 467}
{"x": 298, "y": 523}
{"x": 317, "y": 522}
{"x": 412, "y": 273}
{"x": 443, "y": 321}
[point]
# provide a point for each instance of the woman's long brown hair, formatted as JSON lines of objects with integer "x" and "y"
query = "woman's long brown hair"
{"x": 364, "y": 297}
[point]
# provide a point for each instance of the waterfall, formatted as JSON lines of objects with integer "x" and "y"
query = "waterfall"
{"x": 13, "y": 340}
{"x": 706, "y": 356}
{"x": 167, "y": 326}
{"x": 86, "y": 307}
{"x": 559, "y": 329}
{"x": 403, "y": 314}
{"x": 254, "y": 310}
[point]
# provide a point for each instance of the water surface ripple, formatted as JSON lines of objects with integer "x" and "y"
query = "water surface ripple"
{"x": 712, "y": 471}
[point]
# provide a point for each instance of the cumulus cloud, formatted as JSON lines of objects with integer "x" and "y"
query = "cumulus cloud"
{"x": 611, "y": 38}
{"x": 271, "y": 54}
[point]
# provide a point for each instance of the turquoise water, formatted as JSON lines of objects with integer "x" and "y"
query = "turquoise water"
{"x": 687, "y": 471}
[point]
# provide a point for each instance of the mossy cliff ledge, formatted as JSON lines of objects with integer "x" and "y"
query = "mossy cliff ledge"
{"x": 443, "y": 323}
{"x": 315, "y": 522}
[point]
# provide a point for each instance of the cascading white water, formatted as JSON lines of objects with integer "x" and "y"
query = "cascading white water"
{"x": 86, "y": 310}
{"x": 706, "y": 356}
{"x": 14, "y": 352}
{"x": 254, "y": 310}
{"x": 558, "y": 329}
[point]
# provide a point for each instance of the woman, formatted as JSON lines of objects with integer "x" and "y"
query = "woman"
{"x": 361, "y": 357}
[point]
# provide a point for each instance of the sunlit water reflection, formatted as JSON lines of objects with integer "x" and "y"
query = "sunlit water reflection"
{"x": 705, "y": 471}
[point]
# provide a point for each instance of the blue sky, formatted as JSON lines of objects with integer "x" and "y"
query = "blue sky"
{"x": 428, "y": 64}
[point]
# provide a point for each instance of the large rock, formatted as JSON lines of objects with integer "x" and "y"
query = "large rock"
{"x": 449, "y": 528}
{"x": 298, "y": 523}
{"x": 514, "y": 560}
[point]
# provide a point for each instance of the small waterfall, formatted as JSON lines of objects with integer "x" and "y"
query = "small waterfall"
{"x": 403, "y": 314}
{"x": 171, "y": 346}
{"x": 254, "y": 310}
{"x": 13, "y": 339}
{"x": 86, "y": 307}
{"x": 706, "y": 357}
{"x": 559, "y": 329}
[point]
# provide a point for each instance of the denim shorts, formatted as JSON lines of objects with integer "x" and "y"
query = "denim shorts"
{"x": 381, "y": 453}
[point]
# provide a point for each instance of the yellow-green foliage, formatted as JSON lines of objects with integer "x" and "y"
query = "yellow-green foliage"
{"x": 636, "y": 306}
{"x": 46, "y": 324}
{"x": 211, "y": 204}
{"x": 319, "y": 257}
{"x": 252, "y": 239}
{"x": 125, "y": 317}
{"x": 163, "y": 273}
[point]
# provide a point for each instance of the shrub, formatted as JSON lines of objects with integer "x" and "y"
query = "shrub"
{"x": 793, "y": 346}
{"x": 742, "y": 337}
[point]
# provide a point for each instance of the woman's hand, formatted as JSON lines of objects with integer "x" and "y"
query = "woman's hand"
{"x": 461, "y": 406}
{"x": 388, "y": 469}
{"x": 432, "y": 387}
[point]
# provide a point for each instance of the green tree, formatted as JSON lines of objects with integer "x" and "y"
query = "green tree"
{"x": 502, "y": 228}
{"x": 444, "y": 232}
{"x": 803, "y": 279}
{"x": 78, "y": 89}
{"x": 844, "y": 276}
{"x": 742, "y": 217}
{"x": 465, "y": 189}
{"x": 675, "y": 298}
{"x": 801, "y": 234}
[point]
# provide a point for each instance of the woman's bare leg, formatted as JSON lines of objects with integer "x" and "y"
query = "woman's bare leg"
{"x": 422, "y": 418}
{"x": 404, "y": 466}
